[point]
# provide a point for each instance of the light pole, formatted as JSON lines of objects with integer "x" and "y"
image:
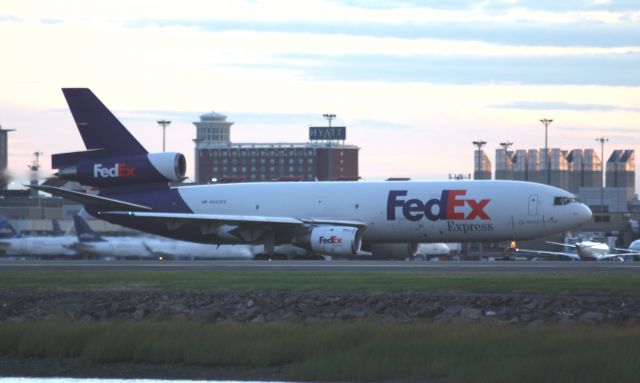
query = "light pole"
{"x": 329, "y": 117}
{"x": 164, "y": 124}
{"x": 546, "y": 122}
{"x": 602, "y": 140}
{"x": 505, "y": 145}
{"x": 479, "y": 145}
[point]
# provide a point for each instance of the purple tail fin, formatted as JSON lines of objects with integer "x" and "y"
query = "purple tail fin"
{"x": 99, "y": 128}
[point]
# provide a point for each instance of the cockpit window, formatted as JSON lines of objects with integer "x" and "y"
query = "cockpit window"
{"x": 561, "y": 201}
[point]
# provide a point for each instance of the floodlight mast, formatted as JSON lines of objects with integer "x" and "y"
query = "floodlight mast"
{"x": 602, "y": 140}
{"x": 164, "y": 124}
{"x": 546, "y": 122}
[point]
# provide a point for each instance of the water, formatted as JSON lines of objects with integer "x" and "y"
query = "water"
{"x": 98, "y": 380}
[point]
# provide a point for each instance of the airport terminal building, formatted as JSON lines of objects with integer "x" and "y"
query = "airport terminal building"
{"x": 217, "y": 159}
{"x": 579, "y": 171}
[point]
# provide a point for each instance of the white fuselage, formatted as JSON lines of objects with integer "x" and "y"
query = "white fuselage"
{"x": 593, "y": 251}
{"x": 39, "y": 246}
{"x": 404, "y": 211}
{"x": 157, "y": 248}
{"x": 114, "y": 247}
{"x": 433, "y": 249}
{"x": 183, "y": 249}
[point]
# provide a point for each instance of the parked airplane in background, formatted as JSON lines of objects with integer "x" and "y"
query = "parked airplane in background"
{"x": 332, "y": 218}
{"x": 635, "y": 246}
{"x": 586, "y": 251}
{"x": 36, "y": 246}
{"x": 57, "y": 230}
{"x": 92, "y": 244}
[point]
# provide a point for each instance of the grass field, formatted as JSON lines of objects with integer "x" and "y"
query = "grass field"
{"x": 623, "y": 283}
{"x": 345, "y": 352}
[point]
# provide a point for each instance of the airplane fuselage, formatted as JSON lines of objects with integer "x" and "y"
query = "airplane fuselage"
{"x": 453, "y": 211}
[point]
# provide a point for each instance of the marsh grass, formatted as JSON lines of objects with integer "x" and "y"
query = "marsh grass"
{"x": 360, "y": 351}
{"x": 622, "y": 283}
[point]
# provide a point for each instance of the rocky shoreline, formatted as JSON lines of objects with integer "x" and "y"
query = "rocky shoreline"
{"x": 254, "y": 306}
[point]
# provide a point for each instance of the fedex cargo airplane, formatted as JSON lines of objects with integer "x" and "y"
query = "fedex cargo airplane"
{"x": 331, "y": 218}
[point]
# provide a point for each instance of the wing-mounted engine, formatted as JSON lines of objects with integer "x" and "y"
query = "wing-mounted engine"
{"x": 121, "y": 170}
{"x": 342, "y": 241}
{"x": 392, "y": 250}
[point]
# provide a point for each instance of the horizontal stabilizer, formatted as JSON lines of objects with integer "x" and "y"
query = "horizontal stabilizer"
{"x": 92, "y": 200}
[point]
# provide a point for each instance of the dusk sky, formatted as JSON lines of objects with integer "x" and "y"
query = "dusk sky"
{"x": 415, "y": 82}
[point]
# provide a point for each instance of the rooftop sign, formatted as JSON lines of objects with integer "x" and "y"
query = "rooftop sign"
{"x": 317, "y": 133}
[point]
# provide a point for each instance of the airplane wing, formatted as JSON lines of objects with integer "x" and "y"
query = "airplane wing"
{"x": 626, "y": 251}
{"x": 561, "y": 244}
{"x": 228, "y": 219}
{"x": 89, "y": 199}
{"x": 548, "y": 253}
{"x": 244, "y": 227}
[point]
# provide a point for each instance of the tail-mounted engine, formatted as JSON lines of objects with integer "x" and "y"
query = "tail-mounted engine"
{"x": 120, "y": 170}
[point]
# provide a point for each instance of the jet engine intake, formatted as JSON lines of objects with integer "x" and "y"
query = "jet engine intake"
{"x": 338, "y": 241}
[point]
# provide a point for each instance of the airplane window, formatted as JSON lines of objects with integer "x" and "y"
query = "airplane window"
{"x": 561, "y": 201}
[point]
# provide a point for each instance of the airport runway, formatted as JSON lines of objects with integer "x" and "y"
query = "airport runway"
{"x": 334, "y": 266}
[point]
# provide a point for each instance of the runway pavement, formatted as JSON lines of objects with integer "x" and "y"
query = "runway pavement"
{"x": 334, "y": 266}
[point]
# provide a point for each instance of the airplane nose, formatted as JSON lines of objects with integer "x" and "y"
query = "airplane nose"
{"x": 584, "y": 213}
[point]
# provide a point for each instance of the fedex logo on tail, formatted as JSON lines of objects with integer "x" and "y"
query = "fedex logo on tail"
{"x": 120, "y": 169}
{"x": 450, "y": 206}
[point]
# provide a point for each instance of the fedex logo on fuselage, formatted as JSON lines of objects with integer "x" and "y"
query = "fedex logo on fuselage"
{"x": 120, "y": 169}
{"x": 448, "y": 207}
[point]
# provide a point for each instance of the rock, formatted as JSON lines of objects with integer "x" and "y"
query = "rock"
{"x": 470, "y": 314}
{"x": 591, "y": 317}
{"x": 449, "y": 313}
{"x": 139, "y": 314}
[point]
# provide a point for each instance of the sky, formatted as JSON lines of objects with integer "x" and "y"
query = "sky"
{"x": 415, "y": 82}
